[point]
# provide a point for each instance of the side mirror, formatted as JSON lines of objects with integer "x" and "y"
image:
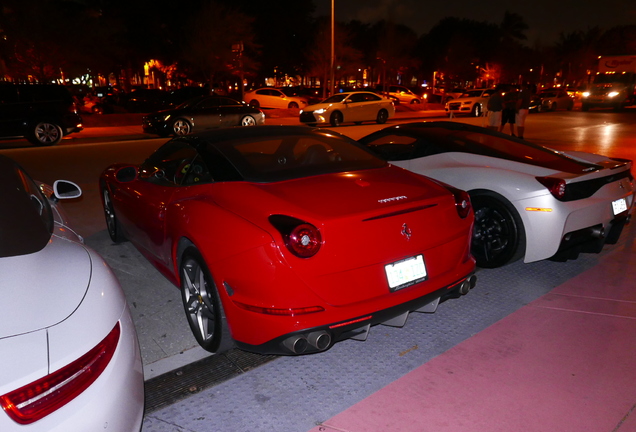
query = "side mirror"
{"x": 126, "y": 174}
{"x": 64, "y": 189}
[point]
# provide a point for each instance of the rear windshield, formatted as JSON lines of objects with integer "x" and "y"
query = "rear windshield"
{"x": 500, "y": 147}
{"x": 435, "y": 140}
{"x": 279, "y": 158}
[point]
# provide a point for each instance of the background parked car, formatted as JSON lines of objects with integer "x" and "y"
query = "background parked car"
{"x": 270, "y": 97}
{"x": 530, "y": 201}
{"x": 552, "y": 100}
{"x": 356, "y": 107}
{"x": 202, "y": 113}
{"x": 70, "y": 360}
{"x": 472, "y": 102}
{"x": 42, "y": 113}
{"x": 401, "y": 93}
{"x": 146, "y": 100}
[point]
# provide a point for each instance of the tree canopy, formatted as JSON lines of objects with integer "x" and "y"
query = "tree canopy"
{"x": 205, "y": 41}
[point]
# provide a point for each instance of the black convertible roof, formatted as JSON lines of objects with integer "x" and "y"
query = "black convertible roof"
{"x": 25, "y": 225}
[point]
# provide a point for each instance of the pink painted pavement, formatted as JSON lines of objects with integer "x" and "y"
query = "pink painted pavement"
{"x": 565, "y": 362}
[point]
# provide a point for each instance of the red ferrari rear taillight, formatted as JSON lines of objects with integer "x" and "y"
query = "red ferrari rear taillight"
{"x": 301, "y": 238}
{"x": 40, "y": 398}
{"x": 556, "y": 186}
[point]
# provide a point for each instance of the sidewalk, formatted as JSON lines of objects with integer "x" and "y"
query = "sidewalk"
{"x": 565, "y": 362}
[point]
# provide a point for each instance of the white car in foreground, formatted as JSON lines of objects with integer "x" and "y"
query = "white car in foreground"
{"x": 529, "y": 201}
{"x": 69, "y": 356}
{"x": 349, "y": 107}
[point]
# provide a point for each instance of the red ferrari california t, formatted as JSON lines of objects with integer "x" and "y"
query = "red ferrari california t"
{"x": 286, "y": 239}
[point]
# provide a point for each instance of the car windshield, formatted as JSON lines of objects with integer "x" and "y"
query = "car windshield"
{"x": 336, "y": 98}
{"x": 289, "y": 91}
{"x": 626, "y": 78}
{"x": 471, "y": 93}
{"x": 26, "y": 218}
{"x": 276, "y": 158}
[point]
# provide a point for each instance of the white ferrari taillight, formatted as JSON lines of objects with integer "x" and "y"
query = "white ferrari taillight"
{"x": 556, "y": 186}
{"x": 40, "y": 398}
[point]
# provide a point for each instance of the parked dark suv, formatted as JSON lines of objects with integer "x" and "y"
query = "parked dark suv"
{"x": 42, "y": 113}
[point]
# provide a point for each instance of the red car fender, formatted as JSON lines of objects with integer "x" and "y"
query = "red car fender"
{"x": 202, "y": 223}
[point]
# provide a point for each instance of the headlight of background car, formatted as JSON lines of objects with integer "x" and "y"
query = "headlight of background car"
{"x": 613, "y": 94}
{"x": 585, "y": 94}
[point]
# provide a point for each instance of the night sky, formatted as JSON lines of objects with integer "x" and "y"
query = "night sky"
{"x": 546, "y": 19}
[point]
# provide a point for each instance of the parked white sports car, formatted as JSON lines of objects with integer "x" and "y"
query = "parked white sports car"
{"x": 530, "y": 201}
{"x": 69, "y": 356}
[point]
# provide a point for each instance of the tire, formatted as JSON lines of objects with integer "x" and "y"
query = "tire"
{"x": 181, "y": 127}
{"x": 202, "y": 304}
{"x": 539, "y": 108}
{"x": 554, "y": 106}
{"x": 415, "y": 101}
{"x": 476, "y": 111}
{"x": 292, "y": 105}
{"x": 255, "y": 103}
{"x": 382, "y": 117}
{"x": 46, "y": 133}
{"x": 336, "y": 119}
{"x": 112, "y": 223}
{"x": 498, "y": 234}
{"x": 248, "y": 121}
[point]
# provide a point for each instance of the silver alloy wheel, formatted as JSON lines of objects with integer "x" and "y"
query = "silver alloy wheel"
{"x": 112, "y": 224}
{"x": 181, "y": 127}
{"x": 46, "y": 133}
{"x": 197, "y": 301}
{"x": 248, "y": 121}
{"x": 336, "y": 119}
{"x": 383, "y": 116}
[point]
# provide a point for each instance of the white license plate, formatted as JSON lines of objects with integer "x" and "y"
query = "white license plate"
{"x": 619, "y": 206}
{"x": 406, "y": 272}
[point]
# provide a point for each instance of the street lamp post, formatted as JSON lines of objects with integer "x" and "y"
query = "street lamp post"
{"x": 333, "y": 50}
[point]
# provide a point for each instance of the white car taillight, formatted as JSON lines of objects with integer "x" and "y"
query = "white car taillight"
{"x": 40, "y": 398}
{"x": 556, "y": 186}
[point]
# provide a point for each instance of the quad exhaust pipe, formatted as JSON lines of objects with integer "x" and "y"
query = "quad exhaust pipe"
{"x": 467, "y": 285}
